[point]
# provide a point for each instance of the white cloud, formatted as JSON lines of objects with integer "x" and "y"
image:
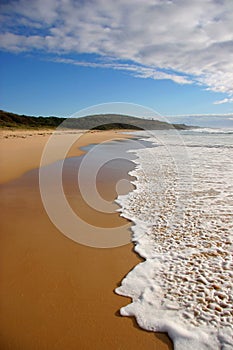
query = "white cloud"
{"x": 225, "y": 100}
{"x": 186, "y": 41}
{"x": 210, "y": 115}
{"x": 137, "y": 70}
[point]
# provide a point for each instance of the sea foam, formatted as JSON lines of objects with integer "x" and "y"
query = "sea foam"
{"x": 182, "y": 213}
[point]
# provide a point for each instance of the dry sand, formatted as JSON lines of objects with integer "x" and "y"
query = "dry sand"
{"x": 21, "y": 150}
{"x": 55, "y": 293}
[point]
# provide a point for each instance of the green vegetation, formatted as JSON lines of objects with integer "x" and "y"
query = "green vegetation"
{"x": 11, "y": 120}
{"x": 117, "y": 126}
{"x": 96, "y": 122}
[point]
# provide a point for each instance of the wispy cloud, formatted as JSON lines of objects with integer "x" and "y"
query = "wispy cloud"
{"x": 225, "y": 100}
{"x": 209, "y": 115}
{"x": 185, "y": 41}
{"x": 136, "y": 69}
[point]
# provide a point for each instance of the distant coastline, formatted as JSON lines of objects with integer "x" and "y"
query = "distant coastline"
{"x": 10, "y": 120}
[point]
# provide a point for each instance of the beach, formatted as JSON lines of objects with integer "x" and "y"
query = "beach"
{"x": 56, "y": 293}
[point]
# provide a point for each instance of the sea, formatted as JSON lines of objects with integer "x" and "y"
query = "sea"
{"x": 182, "y": 225}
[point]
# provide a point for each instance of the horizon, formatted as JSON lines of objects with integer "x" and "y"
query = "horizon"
{"x": 58, "y": 58}
{"x": 168, "y": 119}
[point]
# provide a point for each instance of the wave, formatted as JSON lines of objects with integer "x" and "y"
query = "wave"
{"x": 212, "y": 130}
{"x": 182, "y": 213}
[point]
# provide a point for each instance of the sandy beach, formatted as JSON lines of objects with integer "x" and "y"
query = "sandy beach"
{"x": 55, "y": 293}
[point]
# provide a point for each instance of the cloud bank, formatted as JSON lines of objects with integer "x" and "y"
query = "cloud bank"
{"x": 185, "y": 41}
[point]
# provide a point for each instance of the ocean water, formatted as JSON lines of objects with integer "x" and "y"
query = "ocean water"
{"x": 182, "y": 214}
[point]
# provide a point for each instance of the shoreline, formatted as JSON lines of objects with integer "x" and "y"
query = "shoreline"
{"x": 45, "y": 290}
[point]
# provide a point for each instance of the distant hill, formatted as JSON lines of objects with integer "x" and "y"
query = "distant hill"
{"x": 11, "y": 120}
{"x": 97, "y": 122}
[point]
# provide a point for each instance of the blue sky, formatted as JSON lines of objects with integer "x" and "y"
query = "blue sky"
{"x": 176, "y": 57}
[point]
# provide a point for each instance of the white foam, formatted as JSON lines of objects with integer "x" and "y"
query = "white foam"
{"x": 182, "y": 212}
{"x": 213, "y": 130}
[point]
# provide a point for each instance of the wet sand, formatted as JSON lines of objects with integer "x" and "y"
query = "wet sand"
{"x": 55, "y": 293}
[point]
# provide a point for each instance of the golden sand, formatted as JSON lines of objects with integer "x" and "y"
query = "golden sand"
{"x": 55, "y": 293}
